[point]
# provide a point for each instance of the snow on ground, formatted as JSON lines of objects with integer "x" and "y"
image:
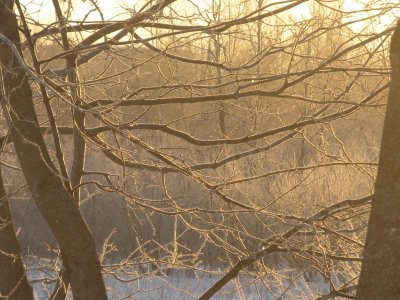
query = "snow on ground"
{"x": 181, "y": 285}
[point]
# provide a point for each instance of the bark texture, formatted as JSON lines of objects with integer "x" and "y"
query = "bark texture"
{"x": 52, "y": 199}
{"x": 380, "y": 273}
{"x": 13, "y": 282}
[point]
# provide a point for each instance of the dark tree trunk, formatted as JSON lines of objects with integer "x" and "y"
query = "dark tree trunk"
{"x": 380, "y": 273}
{"x": 13, "y": 282}
{"x": 54, "y": 202}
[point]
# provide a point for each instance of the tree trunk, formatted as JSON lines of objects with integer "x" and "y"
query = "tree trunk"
{"x": 54, "y": 202}
{"x": 13, "y": 282}
{"x": 380, "y": 273}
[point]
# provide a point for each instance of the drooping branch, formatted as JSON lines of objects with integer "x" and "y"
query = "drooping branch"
{"x": 272, "y": 245}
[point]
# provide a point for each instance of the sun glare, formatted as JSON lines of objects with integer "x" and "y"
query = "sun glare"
{"x": 301, "y": 11}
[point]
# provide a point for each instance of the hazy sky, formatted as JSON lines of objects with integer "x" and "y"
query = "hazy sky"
{"x": 43, "y": 11}
{"x": 112, "y": 9}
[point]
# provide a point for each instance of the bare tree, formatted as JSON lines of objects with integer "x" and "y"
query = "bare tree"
{"x": 14, "y": 284}
{"x": 53, "y": 200}
{"x": 235, "y": 139}
{"x": 380, "y": 271}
